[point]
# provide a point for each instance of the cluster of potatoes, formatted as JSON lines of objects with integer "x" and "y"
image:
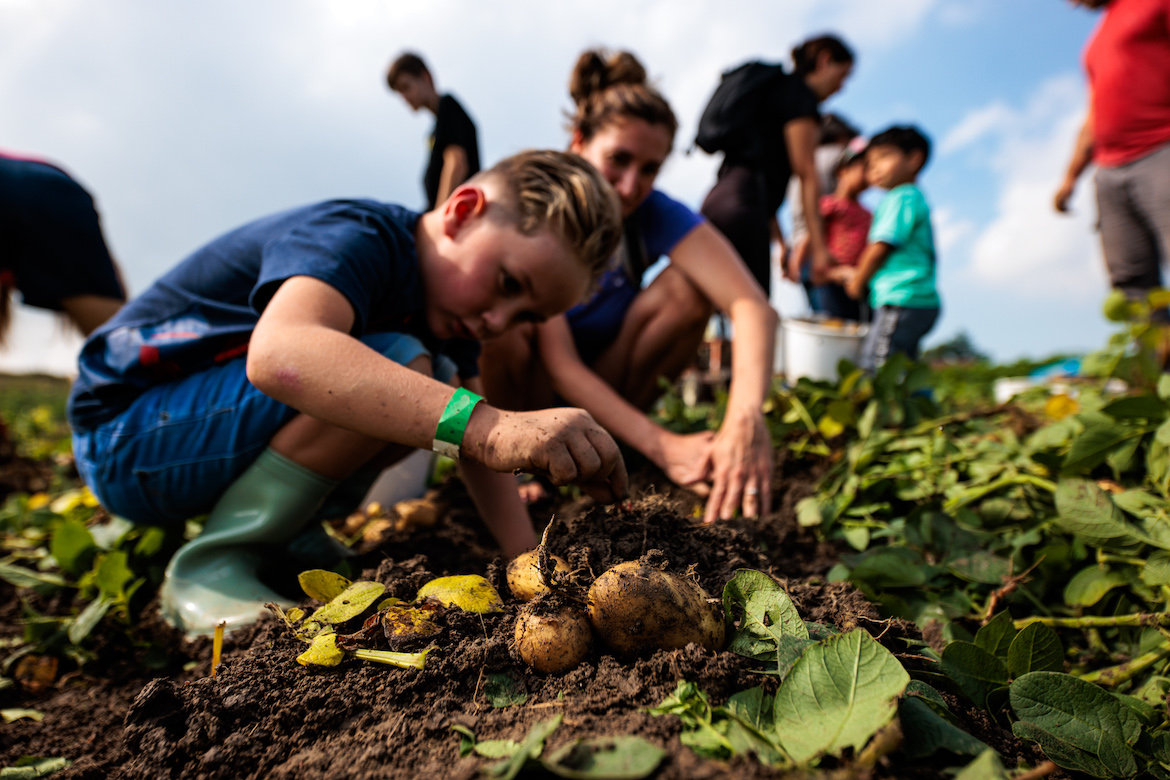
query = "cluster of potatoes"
{"x": 633, "y": 608}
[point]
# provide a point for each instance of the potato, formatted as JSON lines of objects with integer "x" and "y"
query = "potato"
{"x": 553, "y": 634}
{"x": 524, "y": 575}
{"x": 636, "y": 608}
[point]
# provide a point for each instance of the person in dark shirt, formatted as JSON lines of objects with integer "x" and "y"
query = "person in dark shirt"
{"x": 51, "y": 246}
{"x": 454, "y": 148}
{"x": 753, "y": 179}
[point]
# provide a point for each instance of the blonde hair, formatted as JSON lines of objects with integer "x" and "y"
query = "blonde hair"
{"x": 607, "y": 87}
{"x": 561, "y": 192}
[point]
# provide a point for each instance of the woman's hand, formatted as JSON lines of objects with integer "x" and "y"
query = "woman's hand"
{"x": 741, "y": 467}
{"x": 686, "y": 460}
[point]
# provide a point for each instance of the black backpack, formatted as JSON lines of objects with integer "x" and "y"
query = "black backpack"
{"x": 726, "y": 121}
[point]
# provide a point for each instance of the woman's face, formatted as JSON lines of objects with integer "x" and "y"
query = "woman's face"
{"x": 629, "y": 153}
{"x": 829, "y": 76}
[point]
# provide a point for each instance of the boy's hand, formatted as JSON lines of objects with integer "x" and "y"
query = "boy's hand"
{"x": 841, "y": 274}
{"x": 565, "y": 444}
{"x": 854, "y": 288}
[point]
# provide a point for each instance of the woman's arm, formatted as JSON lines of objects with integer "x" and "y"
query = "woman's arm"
{"x": 682, "y": 458}
{"x": 454, "y": 172}
{"x": 801, "y": 136}
{"x": 1081, "y": 157}
{"x": 302, "y": 355}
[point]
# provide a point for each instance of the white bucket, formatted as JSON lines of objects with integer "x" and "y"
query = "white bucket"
{"x": 812, "y": 349}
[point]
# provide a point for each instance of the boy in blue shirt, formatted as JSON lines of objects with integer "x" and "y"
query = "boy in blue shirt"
{"x": 898, "y": 263}
{"x": 281, "y": 358}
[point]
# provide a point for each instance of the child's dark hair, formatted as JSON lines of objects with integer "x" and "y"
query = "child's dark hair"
{"x": 804, "y": 56}
{"x": 835, "y": 129}
{"x": 905, "y": 137}
{"x": 407, "y": 64}
{"x": 608, "y": 86}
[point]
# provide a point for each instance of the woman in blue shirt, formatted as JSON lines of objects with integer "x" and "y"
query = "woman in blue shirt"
{"x": 608, "y": 354}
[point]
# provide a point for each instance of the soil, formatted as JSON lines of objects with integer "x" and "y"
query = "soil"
{"x": 264, "y": 715}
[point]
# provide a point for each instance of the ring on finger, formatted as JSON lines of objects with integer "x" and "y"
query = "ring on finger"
{"x": 751, "y": 490}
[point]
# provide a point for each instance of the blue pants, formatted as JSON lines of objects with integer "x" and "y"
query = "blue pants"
{"x": 895, "y": 329}
{"x": 178, "y": 447}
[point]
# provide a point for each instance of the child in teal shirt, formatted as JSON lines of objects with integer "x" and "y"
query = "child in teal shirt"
{"x": 898, "y": 263}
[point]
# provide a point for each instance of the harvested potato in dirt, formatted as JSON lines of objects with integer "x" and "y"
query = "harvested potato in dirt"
{"x": 524, "y": 574}
{"x": 553, "y": 634}
{"x": 416, "y": 513}
{"x": 636, "y": 608}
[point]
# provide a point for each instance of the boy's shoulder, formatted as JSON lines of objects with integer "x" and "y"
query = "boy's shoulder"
{"x": 904, "y": 197}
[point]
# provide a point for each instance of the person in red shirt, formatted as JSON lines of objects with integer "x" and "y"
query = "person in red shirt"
{"x": 1127, "y": 135}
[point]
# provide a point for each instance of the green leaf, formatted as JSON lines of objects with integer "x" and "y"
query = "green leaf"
{"x": 1095, "y": 443}
{"x": 764, "y": 613}
{"x": 84, "y": 623}
{"x": 466, "y": 739}
{"x": 986, "y": 767}
{"x": 21, "y": 577}
{"x": 1164, "y": 387}
{"x": 1086, "y": 511}
{"x": 323, "y": 651}
{"x": 497, "y": 748}
{"x": 1090, "y": 584}
{"x": 504, "y": 690}
{"x": 996, "y": 637}
{"x": 890, "y": 567}
{"x": 622, "y": 757}
{"x": 1078, "y": 725}
{"x": 348, "y": 604}
{"x": 840, "y": 692}
{"x": 808, "y": 512}
{"x": 1036, "y": 648}
{"x": 976, "y": 671}
{"x": 981, "y": 567}
{"x": 926, "y": 732}
{"x": 530, "y": 748}
{"x": 1157, "y": 569}
{"x": 1136, "y": 406}
{"x": 113, "y": 572}
{"x": 16, "y": 713}
{"x": 73, "y": 547}
{"x": 322, "y": 585}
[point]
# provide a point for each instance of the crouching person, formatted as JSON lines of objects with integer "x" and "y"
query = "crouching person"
{"x": 317, "y": 346}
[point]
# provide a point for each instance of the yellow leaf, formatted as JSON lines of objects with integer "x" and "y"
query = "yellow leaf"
{"x": 830, "y": 427}
{"x": 469, "y": 592}
{"x": 38, "y": 501}
{"x": 348, "y": 604}
{"x": 1060, "y": 406}
{"x": 322, "y": 585}
{"x": 323, "y": 651}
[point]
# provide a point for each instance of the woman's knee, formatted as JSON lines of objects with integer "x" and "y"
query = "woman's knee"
{"x": 673, "y": 295}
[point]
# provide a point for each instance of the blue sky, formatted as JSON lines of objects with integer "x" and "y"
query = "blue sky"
{"x": 187, "y": 119}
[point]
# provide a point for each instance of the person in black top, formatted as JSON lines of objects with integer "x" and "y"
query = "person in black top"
{"x": 51, "y": 246}
{"x": 454, "y": 148}
{"x": 753, "y": 178}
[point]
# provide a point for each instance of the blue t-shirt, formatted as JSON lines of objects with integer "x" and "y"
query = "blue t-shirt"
{"x": 906, "y": 278}
{"x": 660, "y": 223}
{"x": 203, "y": 311}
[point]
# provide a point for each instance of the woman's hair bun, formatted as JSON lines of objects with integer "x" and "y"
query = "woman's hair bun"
{"x": 597, "y": 70}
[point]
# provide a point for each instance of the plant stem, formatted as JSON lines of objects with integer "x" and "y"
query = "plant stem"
{"x": 217, "y": 645}
{"x": 1093, "y": 621}
{"x": 1115, "y": 675}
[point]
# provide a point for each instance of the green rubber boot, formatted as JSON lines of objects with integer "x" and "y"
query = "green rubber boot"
{"x": 213, "y": 578}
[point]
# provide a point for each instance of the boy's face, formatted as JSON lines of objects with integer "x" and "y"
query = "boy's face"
{"x": 489, "y": 276}
{"x": 889, "y": 166}
{"x": 415, "y": 90}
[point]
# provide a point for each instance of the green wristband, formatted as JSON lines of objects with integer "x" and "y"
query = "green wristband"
{"x": 453, "y": 423}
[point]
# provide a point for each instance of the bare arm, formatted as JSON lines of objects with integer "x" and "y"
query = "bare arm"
{"x": 782, "y": 246}
{"x": 799, "y": 258}
{"x": 801, "y": 137}
{"x": 742, "y": 453}
{"x": 871, "y": 260}
{"x": 1081, "y": 157}
{"x": 495, "y": 498}
{"x": 302, "y": 355}
{"x": 454, "y": 172}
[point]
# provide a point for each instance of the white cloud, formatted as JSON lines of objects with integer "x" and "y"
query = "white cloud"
{"x": 1026, "y": 244}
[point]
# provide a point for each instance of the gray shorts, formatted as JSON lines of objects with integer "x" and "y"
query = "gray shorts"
{"x": 1133, "y": 202}
{"x": 895, "y": 329}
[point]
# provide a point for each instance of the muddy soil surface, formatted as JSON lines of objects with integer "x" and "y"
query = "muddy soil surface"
{"x": 263, "y": 715}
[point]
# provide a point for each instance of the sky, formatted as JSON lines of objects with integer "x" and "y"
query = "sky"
{"x": 186, "y": 119}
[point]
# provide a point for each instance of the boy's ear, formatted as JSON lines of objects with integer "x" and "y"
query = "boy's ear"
{"x": 918, "y": 160}
{"x": 464, "y": 205}
{"x": 576, "y": 141}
